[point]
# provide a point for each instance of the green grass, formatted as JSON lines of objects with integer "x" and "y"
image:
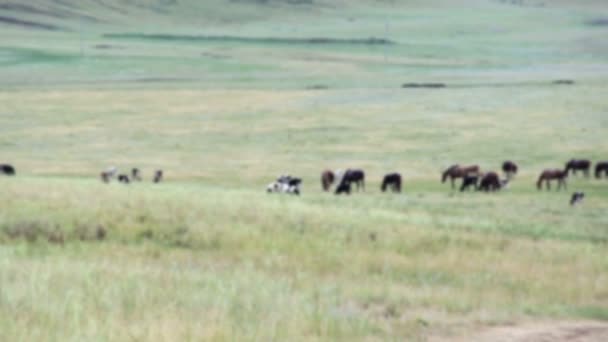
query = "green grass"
{"x": 208, "y": 255}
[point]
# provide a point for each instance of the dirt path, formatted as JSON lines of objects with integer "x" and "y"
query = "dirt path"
{"x": 576, "y": 331}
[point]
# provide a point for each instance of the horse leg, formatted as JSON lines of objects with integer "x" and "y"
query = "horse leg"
{"x": 548, "y": 182}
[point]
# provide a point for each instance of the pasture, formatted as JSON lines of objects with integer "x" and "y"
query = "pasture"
{"x": 225, "y": 96}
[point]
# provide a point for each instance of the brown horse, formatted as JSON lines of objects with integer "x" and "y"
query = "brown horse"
{"x": 158, "y": 176}
{"x": 578, "y": 165}
{"x": 509, "y": 168}
{"x": 457, "y": 171}
{"x": 601, "y": 167}
{"x": 551, "y": 174}
{"x": 327, "y": 179}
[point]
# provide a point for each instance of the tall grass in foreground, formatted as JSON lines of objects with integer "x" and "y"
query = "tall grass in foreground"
{"x": 189, "y": 261}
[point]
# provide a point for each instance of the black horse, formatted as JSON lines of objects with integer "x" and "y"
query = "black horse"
{"x": 469, "y": 181}
{"x": 356, "y": 176}
{"x": 158, "y": 176}
{"x": 343, "y": 188}
{"x": 490, "y": 182}
{"x": 509, "y": 168}
{"x": 124, "y": 179}
{"x": 578, "y": 165}
{"x": 393, "y": 180}
{"x": 601, "y": 167}
{"x": 7, "y": 169}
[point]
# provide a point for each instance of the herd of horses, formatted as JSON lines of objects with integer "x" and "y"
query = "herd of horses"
{"x": 471, "y": 175}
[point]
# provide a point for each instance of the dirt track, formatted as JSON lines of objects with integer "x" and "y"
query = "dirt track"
{"x": 581, "y": 331}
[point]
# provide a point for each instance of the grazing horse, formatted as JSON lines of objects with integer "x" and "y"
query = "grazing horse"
{"x": 468, "y": 181}
{"x": 509, "y": 168}
{"x": 550, "y": 174}
{"x": 354, "y": 176}
{"x": 135, "y": 174}
{"x": 327, "y": 179}
{"x": 7, "y": 169}
{"x": 490, "y": 182}
{"x": 108, "y": 174}
{"x": 578, "y": 165}
{"x": 577, "y": 197}
{"x": 457, "y": 171}
{"x": 343, "y": 187}
{"x": 393, "y": 180}
{"x": 285, "y": 184}
{"x": 601, "y": 167}
{"x": 158, "y": 176}
{"x": 124, "y": 179}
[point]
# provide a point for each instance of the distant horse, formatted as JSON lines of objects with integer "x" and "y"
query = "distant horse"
{"x": 7, "y": 169}
{"x": 577, "y": 197}
{"x": 285, "y": 184}
{"x": 393, "y": 180}
{"x": 509, "y": 168}
{"x": 135, "y": 174}
{"x": 490, "y": 182}
{"x": 601, "y": 167}
{"x": 107, "y": 174}
{"x": 327, "y": 179}
{"x": 343, "y": 187}
{"x": 469, "y": 181}
{"x": 354, "y": 176}
{"x": 578, "y": 165}
{"x": 457, "y": 171}
{"x": 124, "y": 179}
{"x": 551, "y": 174}
{"x": 158, "y": 176}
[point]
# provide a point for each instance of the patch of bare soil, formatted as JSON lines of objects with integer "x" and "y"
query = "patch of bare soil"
{"x": 560, "y": 331}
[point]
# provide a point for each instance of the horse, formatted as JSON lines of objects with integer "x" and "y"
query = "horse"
{"x": 550, "y": 174}
{"x": 356, "y": 176}
{"x": 509, "y": 168}
{"x": 601, "y": 167}
{"x": 393, "y": 180}
{"x": 327, "y": 179}
{"x": 577, "y": 197}
{"x": 578, "y": 164}
{"x": 7, "y": 169}
{"x": 124, "y": 179}
{"x": 107, "y": 174}
{"x": 343, "y": 187}
{"x": 491, "y": 182}
{"x": 285, "y": 184}
{"x": 457, "y": 171}
{"x": 135, "y": 174}
{"x": 468, "y": 181}
{"x": 158, "y": 176}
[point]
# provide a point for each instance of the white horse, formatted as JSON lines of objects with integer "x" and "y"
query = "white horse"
{"x": 285, "y": 184}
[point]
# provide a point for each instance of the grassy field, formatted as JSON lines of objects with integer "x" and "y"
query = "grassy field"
{"x": 224, "y": 96}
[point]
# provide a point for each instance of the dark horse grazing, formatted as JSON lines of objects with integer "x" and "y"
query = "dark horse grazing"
{"x": 509, "y": 168}
{"x": 490, "y": 182}
{"x": 578, "y": 165}
{"x": 7, "y": 169}
{"x": 343, "y": 187}
{"x": 327, "y": 179}
{"x": 124, "y": 179}
{"x": 457, "y": 171}
{"x": 354, "y": 176}
{"x": 601, "y": 167}
{"x": 158, "y": 176}
{"x": 468, "y": 181}
{"x": 550, "y": 174}
{"x": 393, "y": 180}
